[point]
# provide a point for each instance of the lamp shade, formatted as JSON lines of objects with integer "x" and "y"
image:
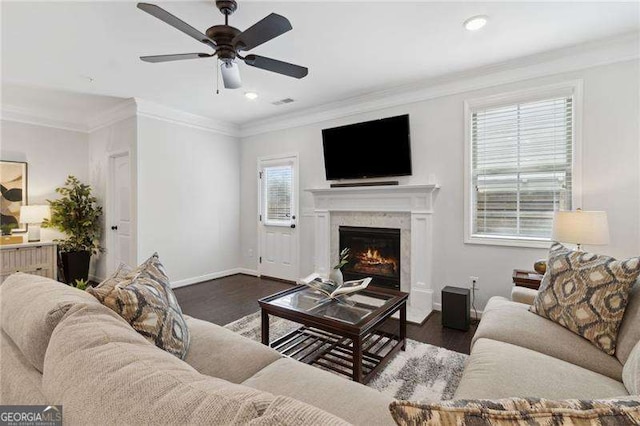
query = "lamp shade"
{"x": 34, "y": 214}
{"x": 581, "y": 227}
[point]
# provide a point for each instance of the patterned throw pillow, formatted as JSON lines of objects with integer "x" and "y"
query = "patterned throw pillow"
{"x": 143, "y": 297}
{"x": 586, "y": 293}
{"x": 103, "y": 289}
{"x": 518, "y": 411}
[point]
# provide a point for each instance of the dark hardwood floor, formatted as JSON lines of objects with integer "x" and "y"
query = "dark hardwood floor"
{"x": 227, "y": 299}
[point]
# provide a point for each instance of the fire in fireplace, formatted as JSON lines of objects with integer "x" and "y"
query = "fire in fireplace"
{"x": 375, "y": 252}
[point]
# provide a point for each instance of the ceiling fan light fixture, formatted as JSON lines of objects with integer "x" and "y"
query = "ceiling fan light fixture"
{"x": 251, "y": 95}
{"x": 476, "y": 22}
{"x": 230, "y": 75}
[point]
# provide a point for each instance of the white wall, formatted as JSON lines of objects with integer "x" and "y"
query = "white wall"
{"x": 52, "y": 155}
{"x": 611, "y": 178}
{"x": 188, "y": 199}
{"x": 115, "y": 138}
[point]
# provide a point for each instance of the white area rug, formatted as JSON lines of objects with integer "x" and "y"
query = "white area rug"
{"x": 421, "y": 373}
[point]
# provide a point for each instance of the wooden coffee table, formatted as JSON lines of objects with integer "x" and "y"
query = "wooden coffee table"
{"x": 340, "y": 335}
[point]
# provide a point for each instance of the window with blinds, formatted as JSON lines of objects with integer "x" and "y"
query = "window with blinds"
{"x": 521, "y": 160}
{"x": 278, "y": 184}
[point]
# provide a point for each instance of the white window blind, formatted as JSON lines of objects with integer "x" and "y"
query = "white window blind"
{"x": 522, "y": 156}
{"x": 278, "y": 184}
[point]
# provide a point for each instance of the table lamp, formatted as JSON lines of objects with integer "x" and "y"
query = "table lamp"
{"x": 581, "y": 227}
{"x": 34, "y": 216}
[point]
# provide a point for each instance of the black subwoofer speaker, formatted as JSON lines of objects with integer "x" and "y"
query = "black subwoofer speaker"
{"x": 456, "y": 312}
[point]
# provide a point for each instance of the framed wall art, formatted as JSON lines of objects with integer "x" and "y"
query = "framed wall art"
{"x": 13, "y": 185}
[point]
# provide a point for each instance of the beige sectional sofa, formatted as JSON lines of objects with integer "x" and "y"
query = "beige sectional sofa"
{"x": 58, "y": 345}
{"x": 517, "y": 353}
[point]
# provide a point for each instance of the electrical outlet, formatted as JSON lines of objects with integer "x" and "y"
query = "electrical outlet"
{"x": 473, "y": 283}
{"x": 250, "y": 252}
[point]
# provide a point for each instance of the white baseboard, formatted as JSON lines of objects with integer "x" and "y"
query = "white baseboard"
{"x": 196, "y": 280}
{"x": 247, "y": 271}
{"x": 438, "y": 307}
{"x": 212, "y": 276}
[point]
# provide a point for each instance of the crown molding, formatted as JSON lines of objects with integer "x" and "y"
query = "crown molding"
{"x": 122, "y": 111}
{"x": 128, "y": 108}
{"x": 40, "y": 118}
{"x": 171, "y": 115}
{"x": 143, "y": 108}
{"x": 583, "y": 56}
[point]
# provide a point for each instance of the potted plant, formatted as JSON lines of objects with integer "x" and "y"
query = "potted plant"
{"x": 77, "y": 214}
{"x": 336, "y": 272}
{"x": 7, "y": 228}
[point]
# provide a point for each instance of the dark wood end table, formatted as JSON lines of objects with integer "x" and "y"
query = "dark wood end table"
{"x": 529, "y": 279}
{"x": 339, "y": 335}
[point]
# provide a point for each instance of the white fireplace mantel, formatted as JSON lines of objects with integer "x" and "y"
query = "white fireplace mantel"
{"x": 417, "y": 200}
{"x": 391, "y": 198}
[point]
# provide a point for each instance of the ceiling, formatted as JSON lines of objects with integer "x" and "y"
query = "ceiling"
{"x": 351, "y": 49}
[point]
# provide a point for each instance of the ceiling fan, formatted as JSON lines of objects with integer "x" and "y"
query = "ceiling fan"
{"x": 228, "y": 43}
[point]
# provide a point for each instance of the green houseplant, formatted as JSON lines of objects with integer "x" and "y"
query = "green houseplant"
{"x": 336, "y": 272}
{"x": 77, "y": 214}
{"x": 7, "y": 228}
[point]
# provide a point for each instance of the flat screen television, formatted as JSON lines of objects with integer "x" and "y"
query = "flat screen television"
{"x": 378, "y": 148}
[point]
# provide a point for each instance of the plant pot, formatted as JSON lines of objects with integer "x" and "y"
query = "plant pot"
{"x": 75, "y": 265}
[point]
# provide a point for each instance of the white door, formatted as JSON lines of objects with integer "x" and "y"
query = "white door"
{"x": 278, "y": 257}
{"x": 120, "y": 223}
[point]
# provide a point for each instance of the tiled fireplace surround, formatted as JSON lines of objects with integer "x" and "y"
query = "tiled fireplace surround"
{"x": 405, "y": 207}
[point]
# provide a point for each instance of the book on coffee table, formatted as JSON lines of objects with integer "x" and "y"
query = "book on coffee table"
{"x": 333, "y": 289}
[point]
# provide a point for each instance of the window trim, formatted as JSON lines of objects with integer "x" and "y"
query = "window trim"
{"x": 572, "y": 88}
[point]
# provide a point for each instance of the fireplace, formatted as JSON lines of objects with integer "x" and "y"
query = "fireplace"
{"x": 374, "y": 252}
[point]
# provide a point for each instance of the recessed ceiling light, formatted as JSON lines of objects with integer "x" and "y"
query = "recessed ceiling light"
{"x": 476, "y": 22}
{"x": 250, "y": 95}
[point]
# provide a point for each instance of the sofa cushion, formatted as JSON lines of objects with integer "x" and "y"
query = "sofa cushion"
{"x": 631, "y": 371}
{"x": 348, "y": 400}
{"x": 500, "y": 370}
{"x": 20, "y": 382}
{"x": 103, "y": 372}
{"x": 509, "y": 412}
{"x": 286, "y": 411}
{"x": 31, "y": 307}
{"x": 511, "y": 322}
{"x": 144, "y": 298}
{"x": 523, "y": 295}
{"x": 218, "y": 352}
{"x": 629, "y": 333}
{"x": 587, "y": 293}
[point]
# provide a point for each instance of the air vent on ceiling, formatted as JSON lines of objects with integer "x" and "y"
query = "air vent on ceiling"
{"x": 283, "y": 101}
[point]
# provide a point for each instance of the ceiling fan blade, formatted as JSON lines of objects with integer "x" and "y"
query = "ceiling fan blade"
{"x": 230, "y": 75}
{"x": 176, "y": 57}
{"x": 175, "y": 22}
{"x": 276, "y": 66}
{"x": 262, "y": 31}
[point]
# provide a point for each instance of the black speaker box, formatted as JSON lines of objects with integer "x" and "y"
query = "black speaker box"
{"x": 456, "y": 312}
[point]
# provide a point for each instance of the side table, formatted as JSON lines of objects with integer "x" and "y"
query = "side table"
{"x": 529, "y": 279}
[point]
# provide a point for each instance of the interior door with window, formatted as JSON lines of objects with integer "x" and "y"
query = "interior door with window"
{"x": 278, "y": 257}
